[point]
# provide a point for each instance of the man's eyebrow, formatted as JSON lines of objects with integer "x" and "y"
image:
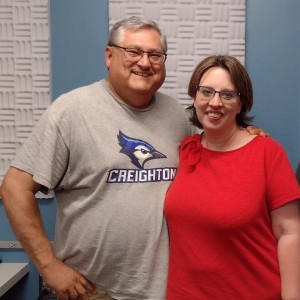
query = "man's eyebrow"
{"x": 150, "y": 50}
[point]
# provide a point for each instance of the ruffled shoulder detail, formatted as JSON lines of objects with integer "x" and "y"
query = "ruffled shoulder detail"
{"x": 191, "y": 149}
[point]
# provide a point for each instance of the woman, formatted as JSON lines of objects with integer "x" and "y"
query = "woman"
{"x": 233, "y": 208}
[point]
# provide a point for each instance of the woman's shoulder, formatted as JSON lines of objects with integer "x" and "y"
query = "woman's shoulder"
{"x": 191, "y": 149}
{"x": 268, "y": 146}
{"x": 191, "y": 143}
{"x": 268, "y": 142}
{"x": 192, "y": 140}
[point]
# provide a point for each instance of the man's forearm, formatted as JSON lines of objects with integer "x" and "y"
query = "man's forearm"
{"x": 27, "y": 224}
{"x": 18, "y": 196}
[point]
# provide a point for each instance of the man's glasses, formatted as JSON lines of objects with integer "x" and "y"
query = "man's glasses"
{"x": 207, "y": 93}
{"x": 136, "y": 54}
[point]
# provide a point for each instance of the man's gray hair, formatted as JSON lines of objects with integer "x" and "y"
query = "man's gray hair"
{"x": 135, "y": 23}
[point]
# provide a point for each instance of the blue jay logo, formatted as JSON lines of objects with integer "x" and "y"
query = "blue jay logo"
{"x": 137, "y": 150}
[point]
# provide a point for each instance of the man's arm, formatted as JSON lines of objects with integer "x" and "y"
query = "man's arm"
{"x": 286, "y": 228}
{"x": 257, "y": 131}
{"x": 18, "y": 194}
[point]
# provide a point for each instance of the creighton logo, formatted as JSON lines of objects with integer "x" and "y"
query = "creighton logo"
{"x": 137, "y": 150}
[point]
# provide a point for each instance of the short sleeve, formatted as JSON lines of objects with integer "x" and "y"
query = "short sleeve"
{"x": 44, "y": 154}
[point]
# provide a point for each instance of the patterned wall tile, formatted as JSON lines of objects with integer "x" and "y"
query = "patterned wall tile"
{"x": 195, "y": 29}
{"x": 24, "y": 72}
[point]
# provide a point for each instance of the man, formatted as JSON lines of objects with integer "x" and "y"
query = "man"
{"x": 109, "y": 152}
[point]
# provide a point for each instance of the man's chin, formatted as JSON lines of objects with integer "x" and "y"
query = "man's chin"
{"x": 145, "y": 88}
{"x": 142, "y": 89}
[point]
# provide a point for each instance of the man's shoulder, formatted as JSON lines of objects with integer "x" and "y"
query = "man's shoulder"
{"x": 168, "y": 100}
{"x": 162, "y": 95}
{"x": 81, "y": 90}
{"x": 80, "y": 96}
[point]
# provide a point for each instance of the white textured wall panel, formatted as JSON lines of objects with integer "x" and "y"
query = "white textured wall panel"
{"x": 194, "y": 28}
{"x": 24, "y": 72}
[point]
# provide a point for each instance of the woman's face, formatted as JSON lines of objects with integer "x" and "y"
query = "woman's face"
{"x": 219, "y": 112}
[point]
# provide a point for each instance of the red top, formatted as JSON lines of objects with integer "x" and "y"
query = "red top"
{"x": 218, "y": 212}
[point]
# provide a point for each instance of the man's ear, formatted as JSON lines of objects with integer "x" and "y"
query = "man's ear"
{"x": 108, "y": 56}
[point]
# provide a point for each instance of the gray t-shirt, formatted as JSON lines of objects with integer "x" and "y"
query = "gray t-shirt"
{"x": 110, "y": 166}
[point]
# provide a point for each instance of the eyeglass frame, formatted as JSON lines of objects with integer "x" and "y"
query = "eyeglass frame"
{"x": 235, "y": 94}
{"x": 142, "y": 52}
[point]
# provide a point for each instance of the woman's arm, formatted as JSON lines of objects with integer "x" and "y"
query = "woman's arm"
{"x": 286, "y": 228}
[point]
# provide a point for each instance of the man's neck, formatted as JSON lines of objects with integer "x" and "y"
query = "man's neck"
{"x": 133, "y": 99}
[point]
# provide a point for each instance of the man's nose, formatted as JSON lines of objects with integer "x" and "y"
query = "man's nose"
{"x": 144, "y": 60}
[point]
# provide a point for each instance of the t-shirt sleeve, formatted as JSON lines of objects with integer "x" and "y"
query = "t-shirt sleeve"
{"x": 44, "y": 154}
{"x": 282, "y": 185}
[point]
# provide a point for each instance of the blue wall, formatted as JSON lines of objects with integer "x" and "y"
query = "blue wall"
{"x": 272, "y": 59}
{"x": 78, "y": 36}
{"x": 78, "y": 39}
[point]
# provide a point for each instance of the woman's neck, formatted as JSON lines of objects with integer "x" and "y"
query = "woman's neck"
{"x": 231, "y": 140}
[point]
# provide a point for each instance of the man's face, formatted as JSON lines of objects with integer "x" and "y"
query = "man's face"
{"x": 135, "y": 80}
